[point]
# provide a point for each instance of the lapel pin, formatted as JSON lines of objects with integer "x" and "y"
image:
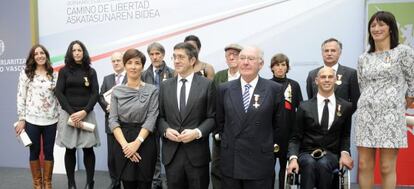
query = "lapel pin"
{"x": 339, "y": 81}
{"x": 338, "y": 111}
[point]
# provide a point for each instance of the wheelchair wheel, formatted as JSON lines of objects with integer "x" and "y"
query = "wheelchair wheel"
{"x": 345, "y": 180}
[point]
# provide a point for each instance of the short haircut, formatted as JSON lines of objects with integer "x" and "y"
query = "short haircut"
{"x": 195, "y": 39}
{"x": 157, "y": 46}
{"x": 279, "y": 58}
{"x": 134, "y": 53}
{"x": 189, "y": 49}
{"x": 324, "y": 68}
{"x": 331, "y": 40}
{"x": 389, "y": 19}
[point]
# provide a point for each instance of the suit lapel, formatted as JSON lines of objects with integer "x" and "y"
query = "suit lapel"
{"x": 338, "y": 114}
{"x": 236, "y": 99}
{"x": 314, "y": 110}
{"x": 340, "y": 71}
{"x": 111, "y": 82}
{"x": 173, "y": 96}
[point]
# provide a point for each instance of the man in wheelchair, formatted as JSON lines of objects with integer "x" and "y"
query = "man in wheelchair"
{"x": 321, "y": 135}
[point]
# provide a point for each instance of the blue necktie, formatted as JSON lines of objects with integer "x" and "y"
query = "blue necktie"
{"x": 157, "y": 78}
{"x": 246, "y": 97}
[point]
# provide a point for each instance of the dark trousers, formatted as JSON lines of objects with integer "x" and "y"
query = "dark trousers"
{"x": 215, "y": 165}
{"x": 182, "y": 175}
{"x": 229, "y": 182}
{"x": 317, "y": 172}
{"x": 111, "y": 141}
{"x": 48, "y": 133}
{"x": 136, "y": 185}
{"x": 157, "y": 181}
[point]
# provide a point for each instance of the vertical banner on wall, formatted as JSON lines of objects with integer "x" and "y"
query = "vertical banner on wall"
{"x": 404, "y": 14}
{"x": 15, "y": 42}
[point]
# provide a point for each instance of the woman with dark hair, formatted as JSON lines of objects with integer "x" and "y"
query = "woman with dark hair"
{"x": 77, "y": 92}
{"x": 384, "y": 72}
{"x": 201, "y": 68}
{"x": 279, "y": 64}
{"x": 132, "y": 118}
{"x": 37, "y": 108}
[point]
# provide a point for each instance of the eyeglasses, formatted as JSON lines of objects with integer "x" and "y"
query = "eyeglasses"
{"x": 232, "y": 54}
{"x": 248, "y": 58}
{"x": 178, "y": 57}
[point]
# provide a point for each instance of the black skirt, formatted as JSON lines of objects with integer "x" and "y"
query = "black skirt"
{"x": 131, "y": 171}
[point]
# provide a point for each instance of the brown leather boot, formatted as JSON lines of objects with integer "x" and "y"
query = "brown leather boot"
{"x": 36, "y": 174}
{"x": 47, "y": 174}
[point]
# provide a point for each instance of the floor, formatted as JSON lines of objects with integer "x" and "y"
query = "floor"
{"x": 20, "y": 178}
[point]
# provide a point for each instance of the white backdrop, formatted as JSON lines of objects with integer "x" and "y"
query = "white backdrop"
{"x": 294, "y": 27}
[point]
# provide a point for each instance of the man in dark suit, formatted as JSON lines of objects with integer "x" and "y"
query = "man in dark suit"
{"x": 320, "y": 139}
{"x": 246, "y": 116}
{"x": 111, "y": 80}
{"x": 346, "y": 86}
{"x": 231, "y": 73}
{"x": 157, "y": 72}
{"x": 187, "y": 111}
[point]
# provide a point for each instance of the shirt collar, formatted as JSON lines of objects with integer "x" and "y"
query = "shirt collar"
{"x": 122, "y": 73}
{"x": 321, "y": 98}
{"x": 235, "y": 75}
{"x": 161, "y": 67}
{"x": 253, "y": 83}
{"x": 334, "y": 67}
{"x": 189, "y": 78}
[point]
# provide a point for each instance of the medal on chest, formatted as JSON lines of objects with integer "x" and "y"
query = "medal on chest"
{"x": 86, "y": 81}
{"x": 339, "y": 79}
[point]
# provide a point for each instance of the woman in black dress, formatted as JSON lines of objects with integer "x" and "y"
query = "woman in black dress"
{"x": 77, "y": 92}
{"x": 132, "y": 118}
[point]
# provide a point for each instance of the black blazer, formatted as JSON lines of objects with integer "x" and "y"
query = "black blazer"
{"x": 148, "y": 75}
{"x": 308, "y": 134}
{"x": 199, "y": 113}
{"x": 107, "y": 84}
{"x": 248, "y": 137}
{"x": 347, "y": 90}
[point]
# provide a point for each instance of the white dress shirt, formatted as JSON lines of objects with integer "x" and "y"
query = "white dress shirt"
{"x": 334, "y": 67}
{"x": 189, "y": 79}
{"x": 232, "y": 77}
{"x": 121, "y": 77}
{"x": 253, "y": 84}
{"x": 331, "y": 108}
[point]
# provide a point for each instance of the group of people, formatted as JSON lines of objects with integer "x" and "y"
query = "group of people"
{"x": 168, "y": 115}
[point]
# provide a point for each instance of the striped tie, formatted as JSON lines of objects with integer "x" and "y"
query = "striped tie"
{"x": 246, "y": 97}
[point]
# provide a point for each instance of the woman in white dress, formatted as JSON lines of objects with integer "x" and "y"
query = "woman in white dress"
{"x": 386, "y": 81}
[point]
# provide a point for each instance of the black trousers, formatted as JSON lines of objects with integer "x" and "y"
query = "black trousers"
{"x": 182, "y": 175}
{"x": 111, "y": 141}
{"x": 229, "y": 182}
{"x": 317, "y": 173}
{"x": 215, "y": 165}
